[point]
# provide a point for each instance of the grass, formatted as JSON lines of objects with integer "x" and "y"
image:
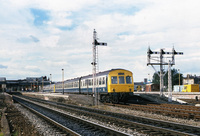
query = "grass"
{"x": 1, "y": 133}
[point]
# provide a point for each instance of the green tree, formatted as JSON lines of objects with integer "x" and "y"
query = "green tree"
{"x": 174, "y": 74}
{"x": 156, "y": 78}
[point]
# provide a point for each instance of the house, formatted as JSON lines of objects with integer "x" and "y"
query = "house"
{"x": 152, "y": 87}
{"x": 189, "y": 79}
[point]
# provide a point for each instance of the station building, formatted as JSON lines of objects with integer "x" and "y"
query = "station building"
{"x": 29, "y": 84}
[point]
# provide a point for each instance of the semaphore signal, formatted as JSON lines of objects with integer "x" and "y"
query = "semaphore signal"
{"x": 95, "y": 64}
{"x": 159, "y": 60}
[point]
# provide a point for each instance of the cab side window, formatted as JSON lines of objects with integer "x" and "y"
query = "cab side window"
{"x": 114, "y": 79}
{"x": 128, "y": 80}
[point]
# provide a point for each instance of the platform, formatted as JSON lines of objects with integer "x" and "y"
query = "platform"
{"x": 177, "y": 97}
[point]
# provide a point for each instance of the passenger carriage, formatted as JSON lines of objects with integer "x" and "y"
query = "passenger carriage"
{"x": 112, "y": 86}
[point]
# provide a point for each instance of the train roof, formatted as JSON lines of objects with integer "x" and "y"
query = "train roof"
{"x": 101, "y": 73}
{"x": 91, "y": 75}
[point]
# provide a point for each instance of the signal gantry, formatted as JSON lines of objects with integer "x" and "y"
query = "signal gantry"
{"x": 159, "y": 60}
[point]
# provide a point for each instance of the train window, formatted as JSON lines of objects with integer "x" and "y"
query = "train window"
{"x": 90, "y": 82}
{"x": 86, "y": 82}
{"x": 75, "y": 85}
{"x": 65, "y": 85}
{"x": 103, "y": 81}
{"x": 99, "y": 81}
{"x": 121, "y": 80}
{"x": 114, "y": 80}
{"x": 128, "y": 80}
{"x": 120, "y": 73}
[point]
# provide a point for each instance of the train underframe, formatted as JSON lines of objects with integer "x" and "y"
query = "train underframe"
{"x": 115, "y": 97}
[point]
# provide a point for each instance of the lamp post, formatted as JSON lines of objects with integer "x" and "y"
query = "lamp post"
{"x": 42, "y": 83}
{"x": 50, "y": 82}
{"x": 179, "y": 79}
{"x": 63, "y": 80}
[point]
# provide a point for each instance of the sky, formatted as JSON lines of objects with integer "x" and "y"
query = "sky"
{"x": 41, "y": 37}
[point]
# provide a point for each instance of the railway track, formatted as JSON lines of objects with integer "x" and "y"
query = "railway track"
{"x": 180, "y": 111}
{"x": 141, "y": 124}
{"x": 69, "y": 124}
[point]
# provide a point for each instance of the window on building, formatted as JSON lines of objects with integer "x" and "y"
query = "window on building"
{"x": 114, "y": 80}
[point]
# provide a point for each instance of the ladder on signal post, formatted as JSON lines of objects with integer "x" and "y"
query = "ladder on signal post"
{"x": 95, "y": 65}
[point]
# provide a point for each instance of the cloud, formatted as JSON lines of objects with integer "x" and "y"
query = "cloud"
{"x": 34, "y": 39}
{"x": 29, "y": 39}
{"x": 42, "y": 37}
{"x": 3, "y": 67}
{"x": 32, "y": 68}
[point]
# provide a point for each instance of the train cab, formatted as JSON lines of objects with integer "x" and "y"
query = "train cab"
{"x": 120, "y": 81}
{"x": 119, "y": 85}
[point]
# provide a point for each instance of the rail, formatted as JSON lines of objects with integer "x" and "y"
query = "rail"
{"x": 82, "y": 126}
{"x": 141, "y": 124}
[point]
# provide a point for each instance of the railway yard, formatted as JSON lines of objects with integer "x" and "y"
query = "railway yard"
{"x": 53, "y": 114}
{"x": 53, "y": 36}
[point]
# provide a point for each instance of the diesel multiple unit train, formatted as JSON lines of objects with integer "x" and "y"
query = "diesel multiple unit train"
{"x": 112, "y": 85}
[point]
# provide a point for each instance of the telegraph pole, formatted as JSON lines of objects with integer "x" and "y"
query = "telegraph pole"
{"x": 153, "y": 60}
{"x": 94, "y": 65}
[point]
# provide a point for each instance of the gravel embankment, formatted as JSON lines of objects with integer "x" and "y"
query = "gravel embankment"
{"x": 150, "y": 115}
{"x": 44, "y": 129}
{"x": 107, "y": 124}
{"x": 74, "y": 99}
{"x": 19, "y": 125}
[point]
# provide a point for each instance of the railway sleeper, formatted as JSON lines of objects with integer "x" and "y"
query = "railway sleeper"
{"x": 186, "y": 116}
{"x": 177, "y": 107}
{"x": 159, "y": 109}
{"x": 146, "y": 131}
{"x": 197, "y": 117}
{"x": 154, "y": 133}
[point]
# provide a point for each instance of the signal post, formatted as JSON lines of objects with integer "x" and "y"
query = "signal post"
{"x": 94, "y": 65}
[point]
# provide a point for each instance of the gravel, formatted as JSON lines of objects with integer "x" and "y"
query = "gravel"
{"x": 107, "y": 124}
{"x": 150, "y": 115}
{"x": 42, "y": 126}
{"x": 45, "y": 129}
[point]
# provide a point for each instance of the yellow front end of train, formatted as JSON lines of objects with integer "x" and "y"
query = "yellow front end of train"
{"x": 120, "y": 81}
